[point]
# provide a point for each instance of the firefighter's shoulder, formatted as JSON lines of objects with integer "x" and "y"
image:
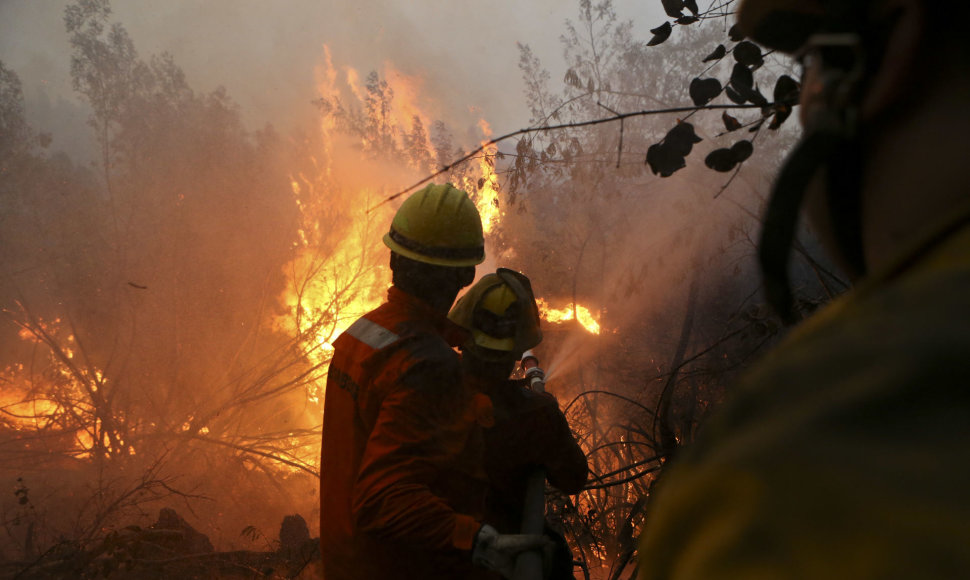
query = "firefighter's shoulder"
{"x": 428, "y": 358}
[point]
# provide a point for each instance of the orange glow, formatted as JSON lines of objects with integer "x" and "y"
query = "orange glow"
{"x": 24, "y": 413}
{"x": 340, "y": 270}
{"x": 571, "y": 311}
{"x": 328, "y": 291}
{"x": 487, "y": 200}
{"x": 407, "y": 104}
{"x": 54, "y": 402}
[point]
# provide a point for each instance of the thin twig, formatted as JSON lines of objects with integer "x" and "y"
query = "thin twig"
{"x": 530, "y": 130}
{"x": 619, "y": 149}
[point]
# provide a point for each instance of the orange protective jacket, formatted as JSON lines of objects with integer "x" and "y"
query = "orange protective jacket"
{"x": 402, "y": 483}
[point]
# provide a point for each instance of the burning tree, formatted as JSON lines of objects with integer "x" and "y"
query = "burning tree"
{"x": 372, "y": 133}
{"x": 140, "y": 360}
{"x": 169, "y": 312}
{"x": 169, "y": 335}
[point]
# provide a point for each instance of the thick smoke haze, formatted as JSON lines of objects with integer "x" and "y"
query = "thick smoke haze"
{"x": 196, "y": 266}
{"x": 266, "y": 53}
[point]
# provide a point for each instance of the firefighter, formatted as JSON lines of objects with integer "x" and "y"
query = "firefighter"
{"x": 530, "y": 431}
{"x": 402, "y": 483}
{"x": 844, "y": 453}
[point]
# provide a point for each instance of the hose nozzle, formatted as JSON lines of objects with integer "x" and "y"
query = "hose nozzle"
{"x": 535, "y": 375}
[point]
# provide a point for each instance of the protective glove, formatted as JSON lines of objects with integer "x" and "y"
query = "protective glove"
{"x": 497, "y": 551}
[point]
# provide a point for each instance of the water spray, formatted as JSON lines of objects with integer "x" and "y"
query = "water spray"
{"x": 528, "y": 565}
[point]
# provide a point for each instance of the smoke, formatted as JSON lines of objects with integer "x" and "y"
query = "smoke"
{"x": 265, "y": 53}
{"x": 170, "y": 304}
{"x": 634, "y": 258}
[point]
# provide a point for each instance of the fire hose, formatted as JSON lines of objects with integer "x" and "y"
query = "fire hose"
{"x": 528, "y": 565}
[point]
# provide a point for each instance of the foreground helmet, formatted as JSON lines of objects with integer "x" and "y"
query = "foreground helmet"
{"x": 501, "y": 313}
{"x": 438, "y": 225}
{"x": 786, "y": 25}
{"x": 780, "y": 24}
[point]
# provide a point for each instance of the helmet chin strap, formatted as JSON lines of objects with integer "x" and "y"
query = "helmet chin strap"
{"x": 833, "y": 145}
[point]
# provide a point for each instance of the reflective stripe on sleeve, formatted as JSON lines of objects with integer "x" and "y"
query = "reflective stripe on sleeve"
{"x": 372, "y": 334}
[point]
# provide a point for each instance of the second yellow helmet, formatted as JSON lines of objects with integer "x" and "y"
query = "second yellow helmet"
{"x": 501, "y": 313}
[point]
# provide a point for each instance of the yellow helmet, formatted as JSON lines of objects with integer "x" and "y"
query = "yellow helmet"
{"x": 438, "y": 225}
{"x": 501, "y": 313}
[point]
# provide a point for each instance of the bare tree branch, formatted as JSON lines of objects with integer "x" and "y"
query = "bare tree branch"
{"x": 529, "y": 130}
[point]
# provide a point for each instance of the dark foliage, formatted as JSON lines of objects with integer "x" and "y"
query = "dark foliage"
{"x": 668, "y": 156}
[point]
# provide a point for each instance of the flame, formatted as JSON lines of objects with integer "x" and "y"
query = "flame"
{"x": 328, "y": 291}
{"x": 571, "y": 311}
{"x": 340, "y": 269}
{"x": 487, "y": 185}
{"x": 408, "y": 102}
{"x": 24, "y": 413}
{"x": 55, "y": 400}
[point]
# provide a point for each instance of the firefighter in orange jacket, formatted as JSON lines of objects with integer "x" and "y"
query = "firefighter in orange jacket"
{"x": 402, "y": 483}
{"x": 530, "y": 431}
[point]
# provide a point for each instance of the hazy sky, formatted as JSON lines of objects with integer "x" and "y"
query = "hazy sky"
{"x": 265, "y": 52}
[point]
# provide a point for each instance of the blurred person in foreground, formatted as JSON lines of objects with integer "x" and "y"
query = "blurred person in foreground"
{"x": 530, "y": 431}
{"x": 844, "y": 453}
{"x": 402, "y": 483}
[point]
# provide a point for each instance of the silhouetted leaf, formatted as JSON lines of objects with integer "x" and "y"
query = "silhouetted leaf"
{"x": 702, "y": 91}
{"x": 725, "y": 159}
{"x": 682, "y": 138}
{"x": 660, "y": 34}
{"x": 720, "y": 160}
{"x": 734, "y": 33}
{"x": 685, "y": 20}
{"x": 782, "y": 112}
{"x": 734, "y": 96}
{"x": 786, "y": 90}
{"x": 748, "y": 54}
{"x": 730, "y": 123}
{"x": 663, "y": 161}
{"x": 673, "y": 8}
{"x": 718, "y": 54}
{"x": 742, "y": 80}
{"x": 668, "y": 156}
{"x": 742, "y": 150}
{"x": 757, "y": 98}
{"x": 692, "y": 6}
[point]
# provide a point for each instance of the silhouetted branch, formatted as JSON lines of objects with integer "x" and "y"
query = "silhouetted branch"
{"x": 529, "y": 130}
